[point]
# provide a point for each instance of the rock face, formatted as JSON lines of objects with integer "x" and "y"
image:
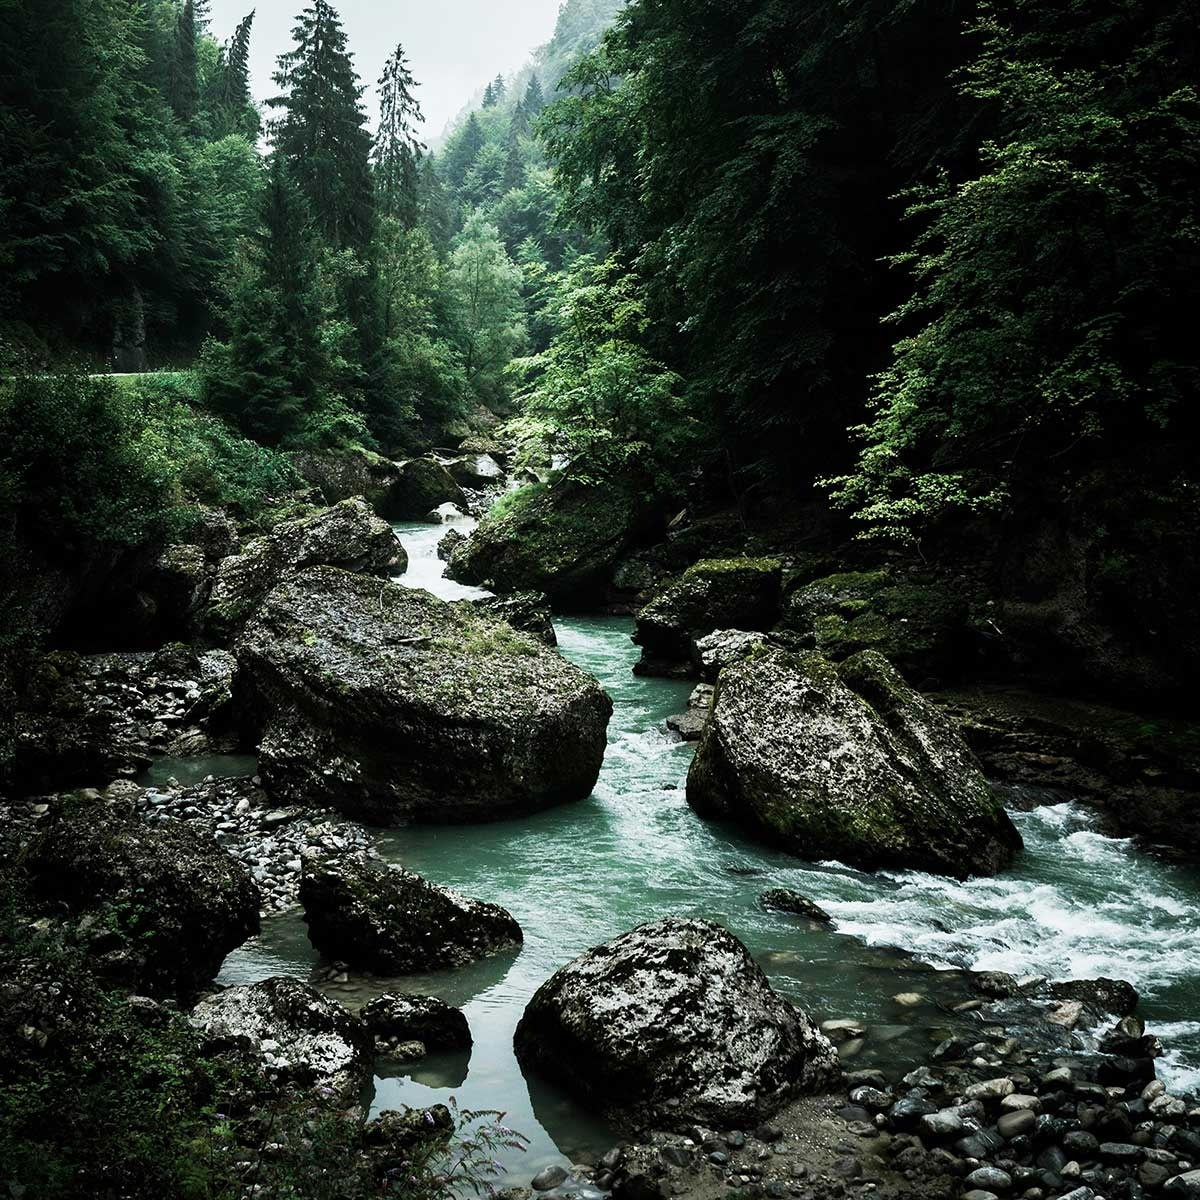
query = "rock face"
{"x": 301, "y": 1037}
{"x": 348, "y": 535}
{"x": 422, "y": 485}
{"x": 426, "y": 1019}
{"x": 920, "y": 627}
{"x": 393, "y": 706}
{"x": 734, "y": 593}
{"x": 673, "y": 1024}
{"x": 390, "y": 921}
{"x": 526, "y": 611}
{"x": 563, "y": 539}
{"x": 166, "y": 905}
{"x": 846, "y": 761}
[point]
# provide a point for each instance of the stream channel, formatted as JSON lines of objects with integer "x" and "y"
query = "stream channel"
{"x": 1076, "y": 904}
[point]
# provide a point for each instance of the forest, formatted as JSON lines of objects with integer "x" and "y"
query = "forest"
{"x": 838, "y": 353}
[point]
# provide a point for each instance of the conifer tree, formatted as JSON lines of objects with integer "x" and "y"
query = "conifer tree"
{"x": 462, "y": 150}
{"x": 267, "y": 376}
{"x": 533, "y": 100}
{"x": 183, "y": 92}
{"x": 321, "y": 132}
{"x": 232, "y": 108}
{"x": 396, "y": 153}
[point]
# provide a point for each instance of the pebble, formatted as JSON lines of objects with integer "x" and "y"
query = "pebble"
{"x": 1014, "y": 1124}
{"x": 990, "y": 1179}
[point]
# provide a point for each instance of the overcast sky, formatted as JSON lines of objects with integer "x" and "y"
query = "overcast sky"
{"x": 454, "y": 46}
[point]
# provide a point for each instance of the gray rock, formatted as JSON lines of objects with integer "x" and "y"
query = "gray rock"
{"x": 943, "y": 1126}
{"x": 991, "y": 1179}
{"x": 1013, "y": 1124}
{"x": 475, "y": 471}
{"x": 526, "y": 611}
{"x": 417, "y": 1018}
{"x": 301, "y": 1036}
{"x": 392, "y": 706}
{"x": 789, "y": 901}
{"x": 421, "y": 484}
{"x": 170, "y": 903}
{"x": 348, "y": 535}
{"x": 1184, "y": 1187}
{"x": 678, "y": 1026}
{"x": 384, "y": 919}
{"x": 549, "y": 1177}
{"x": 722, "y": 647}
{"x": 846, "y": 761}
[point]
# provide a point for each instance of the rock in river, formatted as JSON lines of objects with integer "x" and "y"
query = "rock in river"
{"x": 162, "y": 904}
{"x": 393, "y": 706}
{"x": 673, "y": 1024}
{"x": 403, "y": 1018}
{"x": 846, "y": 761}
{"x": 390, "y": 921}
{"x": 348, "y": 535}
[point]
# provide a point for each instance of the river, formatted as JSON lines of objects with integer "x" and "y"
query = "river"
{"x": 1076, "y": 904}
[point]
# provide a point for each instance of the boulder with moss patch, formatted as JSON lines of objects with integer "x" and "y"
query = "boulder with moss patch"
{"x": 846, "y": 761}
{"x": 423, "y": 485}
{"x": 729, "y": 593}
{"x": 348, "y": 535}
{"x": 563, "y": 539}
{"x": 922, "y": 627}
{"x": 394, "y": 706}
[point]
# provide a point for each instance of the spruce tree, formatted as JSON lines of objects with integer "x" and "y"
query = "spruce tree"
{"x": 267, "y": 376}
{"x": 462, "y": 150}
{"x": 183, "y": 90}
{"x": 321, "y": 132}
{"x": 533, "y": 99}
{"x": 396, "y": 153}
{"x": 232, "y": 108}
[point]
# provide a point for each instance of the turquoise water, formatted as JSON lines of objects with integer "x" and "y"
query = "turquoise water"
{"x": 1076, "y": 904}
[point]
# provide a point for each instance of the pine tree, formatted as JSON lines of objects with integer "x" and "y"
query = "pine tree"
{"x": 183, "y": 91}
{"x": 232, "y": 108}
{"x": 499, "y": 90}
{"x": 533, "y": 99}
{"x": 322, "y": 131}
{"x": 514, "y": 161}
{"x": 396, "y": 153}
{"x": 489, "y": 96}
{"x": 267, "y": 376}
{"x": 462, "y": 150}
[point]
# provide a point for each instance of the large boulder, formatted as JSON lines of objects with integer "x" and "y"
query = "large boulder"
{"x": 381, "y": 918}
{"x": 348, "y": 535}
{"x": 670, "y": 1025}
{"x": 527, "y": 611}
{"x": 476, "y": 471}
{"x": 394, "y": 706}
{"x": 920, "y": 626}
{"x": 344, "y": 474}
{"x": 395, "y": 1017}
{"x": 564, "y": 539}
{"x": 162, "y": 904}
{"x": 846, "y": 761}
{"x": 421, "y": 486}
{"x": 733, "y": 593}
{"x": 300, "y": 1037}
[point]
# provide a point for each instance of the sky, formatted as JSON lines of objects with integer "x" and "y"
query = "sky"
{"x": 454, "y": 46}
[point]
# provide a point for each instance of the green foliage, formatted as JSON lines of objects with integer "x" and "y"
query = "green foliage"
{"x": 397, "y": 150}
{"x": 594, "y": 394}
{"x": 1047, "y": 330}
{"x": 484, "y": 305}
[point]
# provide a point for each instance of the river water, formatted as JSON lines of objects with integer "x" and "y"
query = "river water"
{"x": 1075, "y": 905}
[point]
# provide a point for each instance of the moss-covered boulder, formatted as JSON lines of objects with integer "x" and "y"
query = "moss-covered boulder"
{"x": 161, "y": 905}
{"x": 527, "y": 611}
{"x": 564, "y": 539}
{"x": 394, "y": 706}
{"x": 717, "y": 593}
{"x": 421, "y": 485}
{"x": 344, "y": 474}
{"x": 846, "y": 761}
{"x": 380, "y": 918}
{"x": 670, "y": 1025}
{"x": 348, "y": 535}
{"x": 919, "y": 626}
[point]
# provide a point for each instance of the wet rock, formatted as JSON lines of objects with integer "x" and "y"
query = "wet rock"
{"x": 846, "y": 761}
{"x": 345, "y": 474}
{"x": 397, "y": 1134}
{"x": 348, "y": 535}
{"x": 475, "y": 471}
{"x": 446, "y": 547}
{"x": 417, "y": 1018}
{"x": 549, "y": 1177}
{"x": 1106, "y": 995}
{"x": 1013, "y": 1124}
{"x": 563, "y": 539}
{"x": 921, "y": 627}
{"x": 301, "y": 1037}
{"x": 166, "y": 904}
{"x": 384, "y": 919}
{"x": 719, "y": 649}
{"x": 422, "y": 484}
{"x": 734, "y": 595}
{"x": 789, "y": 901}
{"x": 526, "y": 611}
{"x": 1184, "y": 1187}
{"x": 677, "y": 1025}
{"x": 390, "y": 705}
